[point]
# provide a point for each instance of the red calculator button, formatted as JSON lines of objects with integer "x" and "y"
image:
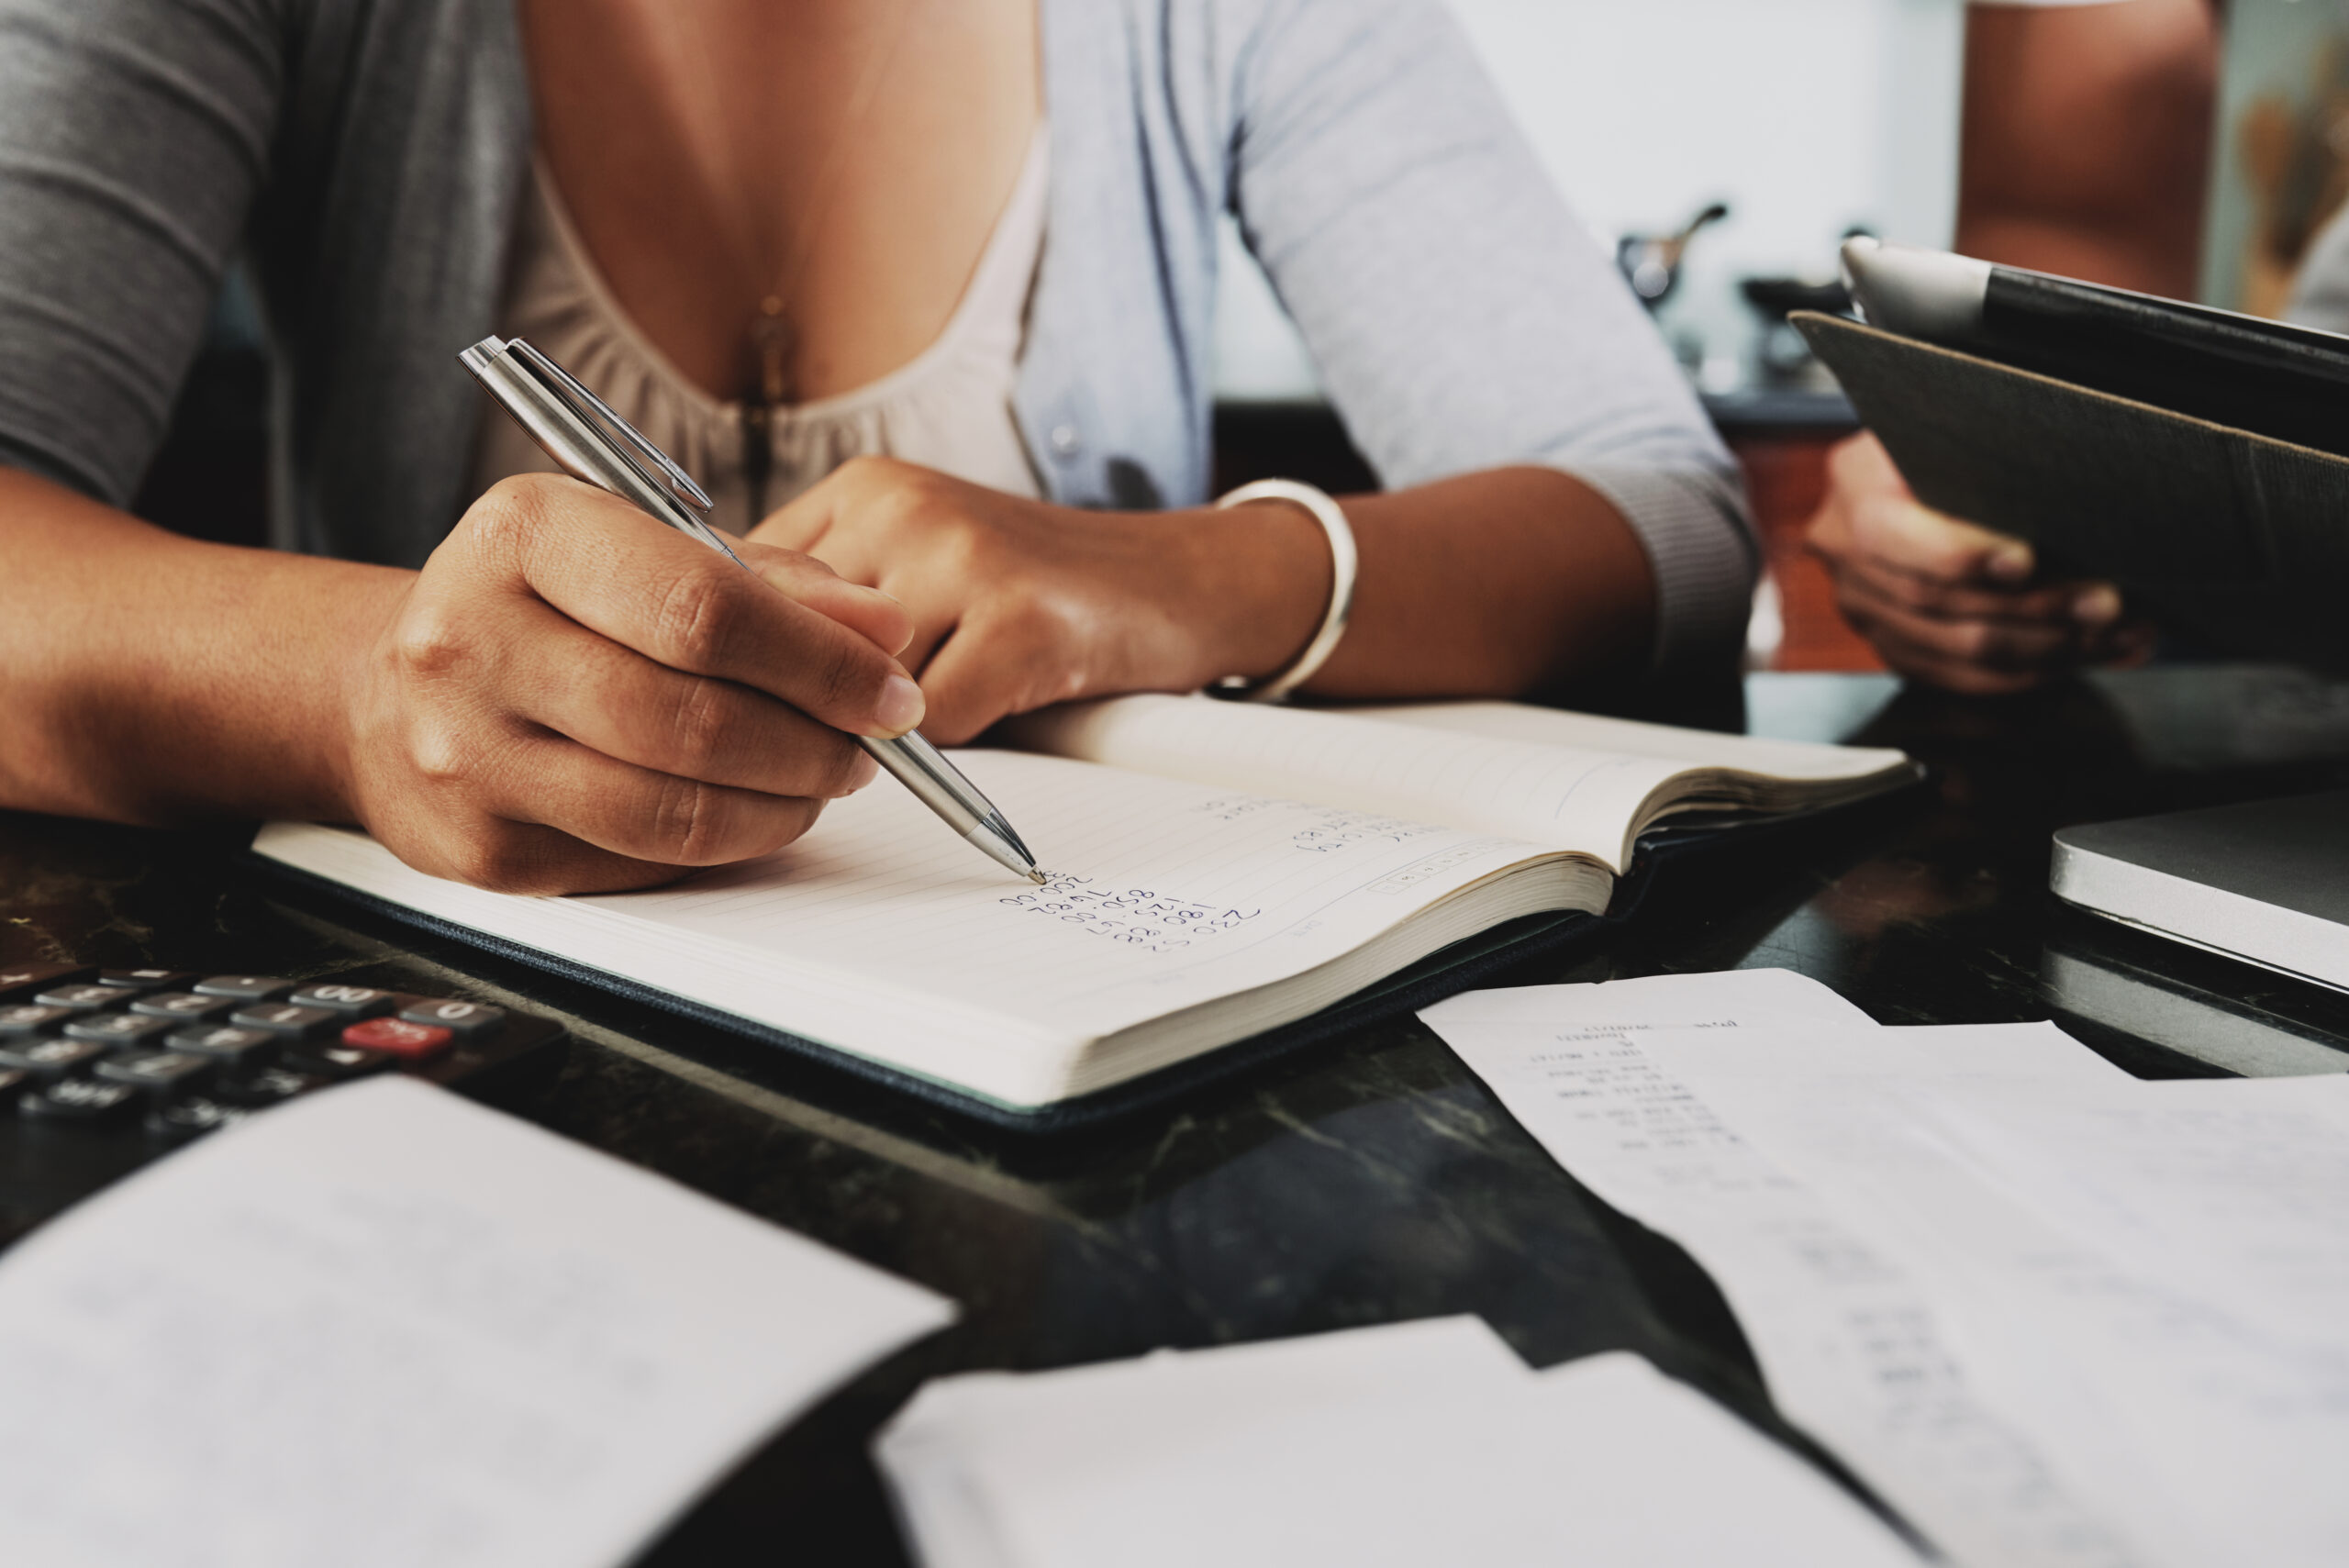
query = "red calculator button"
{"x": 399, "y": 1037}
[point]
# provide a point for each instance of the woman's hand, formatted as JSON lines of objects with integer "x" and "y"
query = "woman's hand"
{"x": 1018, "y": 604}
{"x": 571, "y": 697}
{"x": 1946, "y": 602}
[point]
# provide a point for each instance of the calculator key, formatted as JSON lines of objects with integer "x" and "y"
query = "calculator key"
{"x": 341, "y": 1062}
{"x": 158, "y": 1075}
{"x": 239, "y": 1051}
{"x": 270, "y": 1086}
{"x": 118, "y": 1029}
{"x": 82, "y": 1100}
{"x": 146, "y": 979}
{"x": 350, "y": 1001}
{"x": 28, "y": 1017}
{"x": 185, "y": 1005}
{"x": 245, "y": 987}
{"x": 192, "y": 1117}
{"x": 16, "y": 978}
{"x": 400, "y": 1038}
{"x": 465, "y": 1017}
{"x": 284, "y": 1019}
{"x": 81, "y": 999}
{"x": 51, "y": 1059}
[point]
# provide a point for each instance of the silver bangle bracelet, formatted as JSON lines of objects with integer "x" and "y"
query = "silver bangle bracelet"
{"x": 1277, "y": 687}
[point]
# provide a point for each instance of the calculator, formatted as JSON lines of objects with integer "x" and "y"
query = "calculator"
{"x": 103, "y": 1070}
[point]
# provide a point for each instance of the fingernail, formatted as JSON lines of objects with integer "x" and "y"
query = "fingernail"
{"x": 2096, "y": 606}
{"x": 2011, "y": 562}
{"x": 900, "y": 707}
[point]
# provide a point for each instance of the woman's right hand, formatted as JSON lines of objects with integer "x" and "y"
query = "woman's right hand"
{"x": 571, "y": 698}
{"x": 1946, "y": 602}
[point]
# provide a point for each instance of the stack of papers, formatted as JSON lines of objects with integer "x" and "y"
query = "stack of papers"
{"x": 384, "y": 1326}
{"x": 2055, "y": 1315}
{"x": 1411, "y": 1444}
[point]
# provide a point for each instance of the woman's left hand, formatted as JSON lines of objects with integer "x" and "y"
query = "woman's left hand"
{"x": 1019, "y": 604}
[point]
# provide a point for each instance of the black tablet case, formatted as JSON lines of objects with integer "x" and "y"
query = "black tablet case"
{"x": 2237, "y": 541}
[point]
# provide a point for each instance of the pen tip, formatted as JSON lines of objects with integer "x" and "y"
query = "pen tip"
{"x": 1037, "y": 877}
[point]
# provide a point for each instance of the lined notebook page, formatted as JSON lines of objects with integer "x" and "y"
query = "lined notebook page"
{"x": 1565, "y": 797}
{"x": 881, "y": 933}
{"x": 1802, "y": 760}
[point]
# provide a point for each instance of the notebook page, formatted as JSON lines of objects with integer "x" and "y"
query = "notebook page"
{"x": 880, "y": 933}
{"x": 1561, "y": 796}
{"x": 382, "y": 1327}
{"x": 1800, "y": 760}
{"x": 1160, "y": 896}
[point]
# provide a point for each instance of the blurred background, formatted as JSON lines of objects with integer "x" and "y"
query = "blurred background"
{"x": 1774, "y": 127}
{"x": 1805, "y": 118}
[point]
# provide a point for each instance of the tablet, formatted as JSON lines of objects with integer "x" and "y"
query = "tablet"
{"x": 2287, "y": 382}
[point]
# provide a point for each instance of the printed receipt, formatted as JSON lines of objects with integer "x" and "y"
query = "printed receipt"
{"x": 385, "y": 1326}
{"x": 1849, "y": 1340}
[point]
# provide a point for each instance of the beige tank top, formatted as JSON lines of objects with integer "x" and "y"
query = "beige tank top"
{"x": 948, "y": 408}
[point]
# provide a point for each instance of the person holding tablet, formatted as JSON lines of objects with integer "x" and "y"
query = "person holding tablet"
{"x": 922, "y": 291}
{"x": 2085, "y": 146}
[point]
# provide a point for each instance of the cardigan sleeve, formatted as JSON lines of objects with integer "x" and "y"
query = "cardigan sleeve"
{"x": 133, "y": 136}
{"x": 1460, "y": 316}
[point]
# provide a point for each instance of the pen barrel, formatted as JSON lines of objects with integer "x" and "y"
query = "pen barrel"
{"x": 934, "y": 781}
{"x": 584, "y": 452}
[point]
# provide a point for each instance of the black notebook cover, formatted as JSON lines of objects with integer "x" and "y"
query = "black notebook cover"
{"x": 2235, "y": 540}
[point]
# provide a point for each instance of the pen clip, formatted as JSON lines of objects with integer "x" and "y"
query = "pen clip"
{"x": 681, "y": 483}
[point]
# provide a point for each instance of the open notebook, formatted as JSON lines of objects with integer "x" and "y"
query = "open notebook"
{"x": 1216, "y": 871}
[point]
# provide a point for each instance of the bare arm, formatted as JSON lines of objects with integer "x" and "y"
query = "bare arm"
{"x": 2086, "y": 139}
{"x": 2086, "y": 142}
{"x": 1499, "y": 584}
{"x": 567, "y": 697}
{"x": 1471, "y": 334}
{"x": 1489, "y": 585}
{"x": 149, "y": 678}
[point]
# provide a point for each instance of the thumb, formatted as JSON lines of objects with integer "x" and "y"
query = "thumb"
{"x": 1914, "y": 539}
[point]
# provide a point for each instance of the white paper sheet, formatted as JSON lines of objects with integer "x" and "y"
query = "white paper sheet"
{"x": 2153, "y": 1278}
{"x": 2053, "y": 1313}
{"x": 1849, "y": 1340}
{"x": 385, "y": 1326}
{"x": 1413, "y": 1444}
{"x": 1729, "y": 998}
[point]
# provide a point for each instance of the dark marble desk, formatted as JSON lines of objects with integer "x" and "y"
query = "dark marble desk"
{"x": 1363, "y": 1182}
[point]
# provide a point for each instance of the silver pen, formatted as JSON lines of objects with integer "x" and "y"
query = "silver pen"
{"x": 546, "y": 401}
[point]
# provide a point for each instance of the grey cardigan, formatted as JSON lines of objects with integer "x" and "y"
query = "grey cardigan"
{"x": 368, "y": 153}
